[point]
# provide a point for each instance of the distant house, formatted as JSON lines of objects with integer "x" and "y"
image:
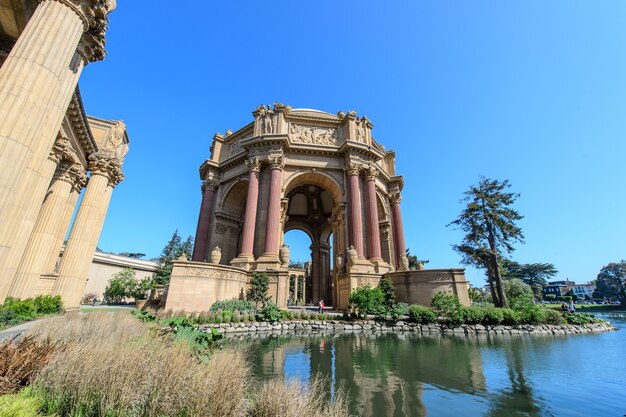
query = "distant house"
{"x": 558, "y": 288}
{"x": 584, "y": 291}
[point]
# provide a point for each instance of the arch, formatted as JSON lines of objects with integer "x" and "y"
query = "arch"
{"x": 234, "y": 196}
{"x": 298, "y": 225}
{"x": 321, "y": 179}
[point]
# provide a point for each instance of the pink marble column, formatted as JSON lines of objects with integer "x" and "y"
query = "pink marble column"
{"x": 372, "y": 215}
{"x": 204, "y": 221}
{"x": 252, "y": 200}
{"x": 398, "y": 230}
{"x": 356, "y": 220}
{"x": 273, "y": 211}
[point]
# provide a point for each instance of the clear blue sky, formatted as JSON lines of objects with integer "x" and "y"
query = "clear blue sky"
{"x": 531, "y": 91}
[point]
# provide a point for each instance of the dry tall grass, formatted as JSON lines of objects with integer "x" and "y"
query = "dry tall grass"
{"x": 20, "y": 361}
{"x": 97, "y": 375}
{"x": 111, "y": 365}
{"x": 292, "y": 399}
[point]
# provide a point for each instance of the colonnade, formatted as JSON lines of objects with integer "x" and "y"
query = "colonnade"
{"x": 40, "y": 179}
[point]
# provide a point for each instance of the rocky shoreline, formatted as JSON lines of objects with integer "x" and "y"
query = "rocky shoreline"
{"x": 372, "y": 326}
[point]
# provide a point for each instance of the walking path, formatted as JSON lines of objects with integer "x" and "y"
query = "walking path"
{"x": 11, "y": 332}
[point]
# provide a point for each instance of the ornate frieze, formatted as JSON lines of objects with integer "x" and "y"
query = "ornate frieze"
{"x": 313, "y": 135}
{"x": 217, "y": 274}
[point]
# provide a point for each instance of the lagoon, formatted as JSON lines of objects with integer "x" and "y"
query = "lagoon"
{"x": 391, "y": 374}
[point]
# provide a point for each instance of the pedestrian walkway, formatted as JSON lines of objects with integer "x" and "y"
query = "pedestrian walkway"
{"x": 11, "y": 332}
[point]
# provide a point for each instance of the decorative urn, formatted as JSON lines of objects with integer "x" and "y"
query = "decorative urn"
{"x": 353, "y": 256}
{"x": 216, "y": 255}
{"x": 284, "y": 254}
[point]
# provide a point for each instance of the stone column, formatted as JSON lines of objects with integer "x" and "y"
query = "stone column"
{"x": 372, "y": 215}
{"x": 204, "y": 221}
{"x": 273, "y": 211}
{"x": 35, "y": 258}
{"x": 37, "y": 81}
{"x": 356, "y": 221}
{"x": 249, "y": 223}
{"x": 398, "y": 229}
{"x": 81, "y": 245}
{"x": 70, "y": 205}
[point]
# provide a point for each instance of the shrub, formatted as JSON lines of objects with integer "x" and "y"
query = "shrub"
{"x": 473, "y": 315}
{"x": 448, "y": 306}
{"x": 581, "y": 318}
{"x": 421, "y": 314}
{"x": 46, "y": 304}
{"x": 257, "y": 293}
{"x": 367, "y": 300}
{"x": 510, "y": 317}
{"x": 389, "y": 292}
{"x": 227, "y": 316}
{"x": 552, "y": 317}
{"x": 493, "y": 316}
{"x": 21, "y": 361}
{"x": 23, "y": 404}
{"x": 23, "y": 309}
{"x": 270, "y": 313}
{"x": 519, "y": 294}
{"x": 286, "y": 315}
{"x": 532, "y": 315}
{"x": 233, "y": 305}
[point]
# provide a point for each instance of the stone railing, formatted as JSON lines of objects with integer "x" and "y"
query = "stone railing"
{"x": 419, "y": 287}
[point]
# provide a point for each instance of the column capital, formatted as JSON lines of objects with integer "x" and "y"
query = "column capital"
{"x": 94, "y": 15}
{"x": 61, "y": 149}
{"x": 371, "y": 173}
{"x": 209, "y": 185}
{"x": 395, "y": 197}
{"x": 277, "y": 163}
{"x": 254, "y": 165}
{"x": 108, "y": 166}
{"x": 353, "y": 168}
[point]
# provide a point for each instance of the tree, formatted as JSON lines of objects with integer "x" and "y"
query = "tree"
{"x": 490, "y": 228}
{"x": 389, "y": 292}
{"x": 257, "y": 293}
{"x": 536, "y": 275}
{"x": 296, "y": 264}
{"x": 134, "y": 255}
{"x": 172, "y": 251}
{"x": 475, "y": 295}
{"x": 611, "y": 282}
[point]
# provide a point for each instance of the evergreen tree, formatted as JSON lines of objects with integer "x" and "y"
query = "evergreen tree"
{"x": 186, "y": 247}
{"x": 611, "y": 282}
{"x": 490, "y": 228}
{"x": 536, "y": 275}
{"x": 389, "y": 292}
{"x": 170, "y": 253}
{"x": 259, "y": 285}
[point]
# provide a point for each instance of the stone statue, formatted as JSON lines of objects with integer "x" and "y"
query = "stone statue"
{"x": 265, "y": 117}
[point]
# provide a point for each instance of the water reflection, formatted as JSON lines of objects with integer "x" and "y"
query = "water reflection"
{"x": 408, "y": 375}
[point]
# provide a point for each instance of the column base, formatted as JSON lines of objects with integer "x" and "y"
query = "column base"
{"x": 380, "y": 266}
{"x": 361, "y": 265}
{"x": 243, "y": 261}
{"x": 268, "y": 262}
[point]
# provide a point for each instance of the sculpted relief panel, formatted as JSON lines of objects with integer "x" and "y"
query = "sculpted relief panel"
{"x": 313, "y": 135}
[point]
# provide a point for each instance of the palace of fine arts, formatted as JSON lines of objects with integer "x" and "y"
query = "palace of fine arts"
{"x": 422, "y": 218}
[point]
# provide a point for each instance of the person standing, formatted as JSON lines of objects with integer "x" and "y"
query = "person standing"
{"x": 321, "y": 305}
{"x": 572, "y": 307}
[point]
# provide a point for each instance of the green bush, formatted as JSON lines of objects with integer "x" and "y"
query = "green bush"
{"x": 493, "y": 316}
{"x": 581, "y": 318}
{"x": 448, "y": 306}
{"x": 552, "y": 317}
{"x": 473, "y": 315}
{"x": 286, "y": 315}
{"x": 259, "y": 285}
{"x": 23, "y": 309}
{"x": 510, "y": 317}
{"x": 46, "y": 304}
{"x": 233, "y": 305}
{"x": 532, "y": 315}
{"x": 421, "y": 314}
{"x": 367, "y": 300}
{"x": 227, "y": 316}
{"x": 23, "y": 404}
{"x": 389, "y": 292}
{"x": 270, "y": 313}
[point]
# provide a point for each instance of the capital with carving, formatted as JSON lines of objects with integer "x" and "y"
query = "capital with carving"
{"x": 210, "y": 185}
{"x": 277, "y": 163}
{"x": 371, "y": 173}
{"x": 94, "y": 14}
{"x": 108, "y": 166}
{"x": 254, "y": 165}
{"x": 352, "y": 168}
{"x": 61, "y": 149}
{"x": 395, "y": 197}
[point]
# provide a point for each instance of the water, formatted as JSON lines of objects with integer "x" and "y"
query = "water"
{"x": 410, "y": 375}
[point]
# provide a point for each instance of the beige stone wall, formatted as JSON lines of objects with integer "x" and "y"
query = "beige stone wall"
{"x": 104, "y": 266}
{"x": 419, "y": 287}
{"x": 195, "y": 286}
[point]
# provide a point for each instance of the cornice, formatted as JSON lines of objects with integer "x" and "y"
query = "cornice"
{"x": 80, "y": 124}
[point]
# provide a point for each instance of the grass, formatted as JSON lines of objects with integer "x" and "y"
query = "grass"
{"x": 21, "y": 361}
{"x": 110, "y": 364}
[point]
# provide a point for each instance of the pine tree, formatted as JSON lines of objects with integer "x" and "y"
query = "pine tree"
{"x": 389, "y": 291}
{"x": 259, "y": 285}
{"x": 170, "y": 252}
{"x": 490, "y": 229}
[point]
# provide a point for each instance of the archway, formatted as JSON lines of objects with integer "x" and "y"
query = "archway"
{"x": 309, "y": 208}
{"x": 299, "y": 243}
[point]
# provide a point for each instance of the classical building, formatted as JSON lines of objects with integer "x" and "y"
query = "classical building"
{"x": 301, "y": 169}
{"x": 49, "y": 149}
